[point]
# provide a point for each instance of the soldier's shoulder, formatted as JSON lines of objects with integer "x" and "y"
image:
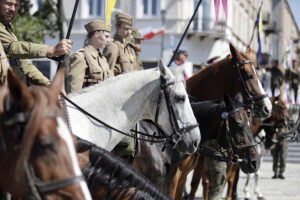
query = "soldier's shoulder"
{"x": 77, "y": 54}
{"x": 111, "y": 47}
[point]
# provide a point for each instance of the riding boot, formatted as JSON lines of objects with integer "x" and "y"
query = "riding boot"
{"x": 281, "y": 176}
{"x": 275, "y": 176}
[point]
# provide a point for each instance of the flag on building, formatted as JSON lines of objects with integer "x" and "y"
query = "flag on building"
{"x": 151, "y": 34}
{"x": 217, "y": 8}
{"x": 259, "y": 34}
{"x": 110, "y": 4}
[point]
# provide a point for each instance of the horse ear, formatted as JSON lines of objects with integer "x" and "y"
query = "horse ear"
{"x": 19, "y": 91}
{"x": 162, "y": 68}
{"x": 58, "y": 81}
{"x": 233, "y": 51}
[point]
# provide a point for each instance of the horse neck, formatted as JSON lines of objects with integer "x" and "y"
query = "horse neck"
{"x": 121, "y": 101}
{"x": 213, "y": 82}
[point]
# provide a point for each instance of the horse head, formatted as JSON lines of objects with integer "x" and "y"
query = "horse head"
{"x": 239, "y": 136}
{"x": 37, "y": 151}
{"x": 176, "y": 113}
{"x": 278, "y": 121}
{"x": 247, "y": 80}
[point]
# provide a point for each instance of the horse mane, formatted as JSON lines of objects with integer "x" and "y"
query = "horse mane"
{"x": 108, "y": 171}
{"x": 206, "y": 113}
{"x": 37, "y": 114}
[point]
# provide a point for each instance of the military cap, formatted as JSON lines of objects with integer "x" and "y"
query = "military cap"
{"x": 123, "y": 17}
{"x": 137, "y": 35}
{"x": 97, "y": 25}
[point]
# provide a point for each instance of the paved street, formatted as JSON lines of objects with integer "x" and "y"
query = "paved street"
{"x": 275, "y": 189}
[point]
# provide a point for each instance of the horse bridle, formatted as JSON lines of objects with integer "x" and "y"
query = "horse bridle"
{"x": 17, "y": 120}
{"x": 177, "y": 132}
{"x": 226, "y": 154}
{"x": 251, "y": 100}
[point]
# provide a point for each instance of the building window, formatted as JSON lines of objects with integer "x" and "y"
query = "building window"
{"x": 96, "y": 7}
{"x": 151, "y": 7}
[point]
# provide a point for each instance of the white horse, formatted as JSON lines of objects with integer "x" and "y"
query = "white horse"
{"x": 124, "y": 100}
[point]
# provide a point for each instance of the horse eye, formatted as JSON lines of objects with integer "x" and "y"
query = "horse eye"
{"x": 45, "y": 144}
{"x": 179, "y": 98}
{"x": 249, "y": 75}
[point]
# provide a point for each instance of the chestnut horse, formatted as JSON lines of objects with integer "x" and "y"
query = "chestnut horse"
{"x": 234, "y": 75}
{"x": 38, "y": 157}
{"x": 271, "y": 125}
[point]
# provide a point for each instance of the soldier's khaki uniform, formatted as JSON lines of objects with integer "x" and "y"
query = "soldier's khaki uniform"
{"x": 216, "y": 172}
{"x": 4, "y": 66}
{"x": 87, "y": 67}
{"x": 121, "y": 58}
{"x": 136, "y": 35}
{"x": 18, "y": 51}
{"x": 119, "y": 54}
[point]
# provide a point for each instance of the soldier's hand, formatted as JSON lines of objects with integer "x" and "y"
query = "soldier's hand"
{"x": 62, "y": 48}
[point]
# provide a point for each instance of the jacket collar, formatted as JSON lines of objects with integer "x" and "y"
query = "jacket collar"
{"x": 92, "y": 51}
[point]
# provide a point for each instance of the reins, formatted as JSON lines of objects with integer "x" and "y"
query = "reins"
{"x": 162, "y": 137}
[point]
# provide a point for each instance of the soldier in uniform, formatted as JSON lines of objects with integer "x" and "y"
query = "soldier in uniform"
{"x": 18, "y": 51}
{"x": 4, "y": 65}
{"x": 135, "y": 43}
{"x": 121, "y": 58}
{"x": 277, "y": 77}
{"x": 279, "y": 153}
{"x": 216, "y": 172}
{"x": 88, "y": 65}
{"x": 119, "y": 54}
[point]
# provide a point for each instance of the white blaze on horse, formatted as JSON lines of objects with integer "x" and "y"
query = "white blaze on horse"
{"x": 155, "y": 94}
{"x": 37, "y": 154}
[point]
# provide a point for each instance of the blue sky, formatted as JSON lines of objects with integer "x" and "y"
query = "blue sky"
{"x": 295, "y": 6}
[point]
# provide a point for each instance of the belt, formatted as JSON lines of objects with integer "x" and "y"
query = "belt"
{"x": 14, "y": 62}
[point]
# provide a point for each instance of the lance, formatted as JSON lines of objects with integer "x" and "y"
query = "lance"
{"x": 186, "y": 29}
{"x": 61, "y": 59}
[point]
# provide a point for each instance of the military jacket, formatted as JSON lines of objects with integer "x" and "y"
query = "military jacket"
{"x": 4, "y": 65}
{"x": 87, "y": 65}
{"x": 120, "y": 56}
{"x": 15, "y": 49}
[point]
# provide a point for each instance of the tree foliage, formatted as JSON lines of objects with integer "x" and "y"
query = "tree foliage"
{"x": 34, "y": 27}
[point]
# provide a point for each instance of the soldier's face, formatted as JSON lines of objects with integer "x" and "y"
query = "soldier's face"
{"x": 8, "y": 10}
{"x": 101, "y": 39}
{"x": 124, "y": 30}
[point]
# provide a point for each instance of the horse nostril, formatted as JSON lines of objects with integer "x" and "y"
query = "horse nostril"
{"x": 265, "y": 109}
{"x": 254, "y": 164}
{"x": 195, "y": 143}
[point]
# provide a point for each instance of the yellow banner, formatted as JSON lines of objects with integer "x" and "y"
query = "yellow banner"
{"x": 260, "y": 24}
{"x": 110, "y": 4}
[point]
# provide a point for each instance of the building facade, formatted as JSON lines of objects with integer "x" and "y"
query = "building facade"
{"x": 205, "y": 39}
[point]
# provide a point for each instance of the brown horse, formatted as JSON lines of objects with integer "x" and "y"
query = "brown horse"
{"x": 38, "y": 157}
{"x": 271, "y": 126}
{"x": 234, "y": 75}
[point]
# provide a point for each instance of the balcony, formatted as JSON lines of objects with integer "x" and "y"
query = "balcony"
{"x": 208, "y": 28}
{"x": 271, "y": 28}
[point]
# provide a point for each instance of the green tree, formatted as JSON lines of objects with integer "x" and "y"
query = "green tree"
{"x": 34, "y": 27}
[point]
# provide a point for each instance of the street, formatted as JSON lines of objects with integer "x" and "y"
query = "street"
{"x": 273, "y": 189}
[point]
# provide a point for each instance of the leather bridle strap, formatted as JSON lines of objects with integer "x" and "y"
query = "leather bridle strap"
{"x": 252, "y": 99}
{"x": 51, "y": 186}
